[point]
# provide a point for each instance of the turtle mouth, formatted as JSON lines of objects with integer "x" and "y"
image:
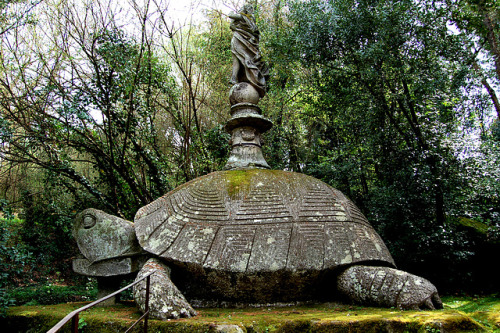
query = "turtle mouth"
{"x": 89, "y": 221}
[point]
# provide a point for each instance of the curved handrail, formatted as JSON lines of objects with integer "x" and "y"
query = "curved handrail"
{"x": 74, "y": 314}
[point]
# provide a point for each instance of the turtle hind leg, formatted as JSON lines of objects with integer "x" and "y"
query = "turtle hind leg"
{"x": 165, "y": 300}
{"x": 388, "y": 287}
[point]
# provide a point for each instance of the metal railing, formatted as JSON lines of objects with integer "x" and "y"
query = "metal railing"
{"x": 74, "y": 316}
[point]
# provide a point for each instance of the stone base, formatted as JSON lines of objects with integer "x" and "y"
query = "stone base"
{"x": 327, "y": 317}
{"x": 109, "y": 274}
{"x": 107, "y": 268}
{"x": 106, "y": 286}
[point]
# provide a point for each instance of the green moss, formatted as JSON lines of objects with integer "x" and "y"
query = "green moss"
{"x": 484, "y": 310}
{"x": 238, "y": 180}
{"x": 327, "y": 317}
{"x": 480, "y": 227}
{"x": 50, "y": 294}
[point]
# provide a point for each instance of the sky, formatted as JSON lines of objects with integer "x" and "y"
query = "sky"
{"x": 183, "y": 10}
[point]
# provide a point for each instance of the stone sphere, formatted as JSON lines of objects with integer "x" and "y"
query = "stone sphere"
{"x": 243, "y": 92}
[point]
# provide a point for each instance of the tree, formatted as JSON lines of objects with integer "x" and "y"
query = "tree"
{"x": 200, "y": 57}
{"x": 121, "y": 116}
{"x": 384, "y": 88}
{"x": 14, "y": 13}
{"x": 480, "y": 19}
{"x": 86, "y": 100}
{"x": 391, "y": 63}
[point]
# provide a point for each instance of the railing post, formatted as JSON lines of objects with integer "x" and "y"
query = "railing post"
{"x": 74, "y": 323}
{"x": 147, "y": 304}
{"x": 74, "y": 316}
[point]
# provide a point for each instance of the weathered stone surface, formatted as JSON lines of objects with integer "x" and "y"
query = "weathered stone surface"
{"x": 246, "y": 118}
{"x": 111, "y": 267}
{"x": 388, "y": 287}
{"x": 229, "y": 329}
{"x": 257, "y": 236}
{"x": 258, "y": 221}
{"x": 165, "y": 300}
{"x": 245, "y": 157}
{"x": 262, "y": 236}
{"x": 246, "y": 126}
{"x": 101, "y": 236}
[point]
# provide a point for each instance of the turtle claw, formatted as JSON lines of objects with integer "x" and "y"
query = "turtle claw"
{"x": 419, "y": 294}
{"x": 432, "y": 303}
{"x": 188, "y": 311}
{"x": 178, "y": 308}
{"x": 428, "y": 304}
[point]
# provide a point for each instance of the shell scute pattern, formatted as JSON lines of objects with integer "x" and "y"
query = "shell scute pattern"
{"x": 258, "y": 220}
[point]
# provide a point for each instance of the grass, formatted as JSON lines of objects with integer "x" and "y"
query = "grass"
{"x": 485, "y": 310}
{"x": 461, "y": 314}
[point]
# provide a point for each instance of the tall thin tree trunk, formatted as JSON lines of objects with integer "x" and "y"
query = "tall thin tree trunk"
{"x": 489, "y": 88}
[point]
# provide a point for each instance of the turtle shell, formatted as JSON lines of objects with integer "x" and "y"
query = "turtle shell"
{"x": 251, "y": 221}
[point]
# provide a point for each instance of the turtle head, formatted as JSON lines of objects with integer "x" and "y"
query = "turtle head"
{"x": 101, "y": 236}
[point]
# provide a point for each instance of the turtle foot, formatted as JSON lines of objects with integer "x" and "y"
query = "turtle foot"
{"x": 388, "y": 287}
{"x": 165, "y": 300}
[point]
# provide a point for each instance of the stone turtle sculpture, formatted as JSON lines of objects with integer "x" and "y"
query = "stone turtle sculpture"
{"x": 250, "y": 235}
{"x": 265, "y": 236}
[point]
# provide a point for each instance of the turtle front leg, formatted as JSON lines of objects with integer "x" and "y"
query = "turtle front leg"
{"x": 165, "y": 300}
{"x": 388, "y": 287}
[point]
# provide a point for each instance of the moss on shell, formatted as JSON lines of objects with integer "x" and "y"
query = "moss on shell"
{"x": 238, "y": 180}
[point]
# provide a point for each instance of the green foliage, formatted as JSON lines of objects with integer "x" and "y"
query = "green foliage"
{"x": 36, "y": 248}
{"x": 81, "y": 323}
{"x": 14, "y": 13}
{"x": 381, "y": 94}
{"x": 5, "y": 302}
{"x": 378, "y": 98}
{"x": 15, "y": 257}
{"x": 52, "y": 294}
{"x": 46, "y": 228}
{"x": 217, "y": 145}
{"x": 6, "y": 210}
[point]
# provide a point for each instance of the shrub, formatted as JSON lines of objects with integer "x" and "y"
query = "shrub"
{"x": 53, "y": 294}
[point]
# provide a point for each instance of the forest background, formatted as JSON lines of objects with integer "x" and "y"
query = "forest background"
{"x": 394, "y": 103}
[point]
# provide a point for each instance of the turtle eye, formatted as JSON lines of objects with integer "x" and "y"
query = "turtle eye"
{"x": 88, "y": 221}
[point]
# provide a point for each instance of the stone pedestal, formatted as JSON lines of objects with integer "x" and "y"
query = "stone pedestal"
{"x": 246, "y": 126}
{"x": 109, "y": 274}
{"x": 106, "y": 286}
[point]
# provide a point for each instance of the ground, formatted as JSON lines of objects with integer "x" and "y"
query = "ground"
{"x": 461, "y": 314}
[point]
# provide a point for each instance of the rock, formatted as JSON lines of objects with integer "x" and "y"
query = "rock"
{"x": 229, "y": 329}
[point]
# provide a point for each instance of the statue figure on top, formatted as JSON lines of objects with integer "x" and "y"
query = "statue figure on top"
{"x": 247, "y": 61}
